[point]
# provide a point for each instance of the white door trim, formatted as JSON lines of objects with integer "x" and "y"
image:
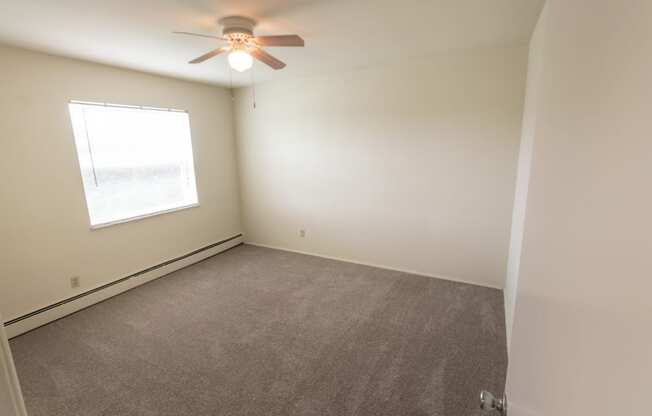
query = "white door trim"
{"x": 11, "y": 397}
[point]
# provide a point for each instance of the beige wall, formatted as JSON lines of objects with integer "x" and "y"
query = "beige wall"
{"x": 582, "y": 337}
{"x": 44, "y": 223}
{"x": 410, "y": 166}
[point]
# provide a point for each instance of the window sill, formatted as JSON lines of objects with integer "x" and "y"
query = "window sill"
{"x": 141, "y": 217}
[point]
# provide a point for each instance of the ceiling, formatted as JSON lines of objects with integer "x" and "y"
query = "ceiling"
{"x": 340, "y": 35}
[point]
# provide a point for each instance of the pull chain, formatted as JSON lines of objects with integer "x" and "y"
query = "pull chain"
{"x": 253, "y": 86}
{"x": 231, "y": 83}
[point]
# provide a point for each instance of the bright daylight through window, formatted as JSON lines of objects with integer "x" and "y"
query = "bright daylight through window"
{"x": 134, "y": 161}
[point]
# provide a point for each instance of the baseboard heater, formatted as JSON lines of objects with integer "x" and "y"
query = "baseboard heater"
{"x": 115, "y": 282}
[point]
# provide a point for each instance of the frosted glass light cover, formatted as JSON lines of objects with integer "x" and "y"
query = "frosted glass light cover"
{"x": 240, "y": 61}
{"x": 134, "y": 162}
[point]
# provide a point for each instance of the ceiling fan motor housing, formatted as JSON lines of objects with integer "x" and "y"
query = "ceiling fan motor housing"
{"x": 237, "y": 25}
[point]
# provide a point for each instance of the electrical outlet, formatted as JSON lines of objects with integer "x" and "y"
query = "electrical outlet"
{"x": 302, "y": 233}
{"x": 74, "y": 282}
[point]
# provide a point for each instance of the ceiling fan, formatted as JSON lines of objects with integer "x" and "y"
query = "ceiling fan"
{"x": 243, "y": 46}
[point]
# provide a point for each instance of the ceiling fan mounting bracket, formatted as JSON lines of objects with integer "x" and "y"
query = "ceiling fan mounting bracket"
{"x": 237, "y": 25}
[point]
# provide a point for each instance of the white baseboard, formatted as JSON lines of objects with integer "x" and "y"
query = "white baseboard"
{"x": 380, "y": 266}
{"x": 23, "y": 325}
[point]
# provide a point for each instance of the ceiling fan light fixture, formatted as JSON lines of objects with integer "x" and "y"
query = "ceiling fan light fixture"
{"x": 240, "y": 60}
{"x": 243, "y": 46}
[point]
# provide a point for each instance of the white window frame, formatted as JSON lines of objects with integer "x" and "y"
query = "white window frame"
{"x": 143, "y": 216}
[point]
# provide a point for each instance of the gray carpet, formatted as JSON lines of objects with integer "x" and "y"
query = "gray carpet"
{"x": 255, "y": 331}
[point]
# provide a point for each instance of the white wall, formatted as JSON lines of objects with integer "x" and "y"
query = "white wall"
{"x": 44, "y": 223}
{"x": 582, "y": 337}
{"x": 410, "y": 166}
{"x": 530, "y": 109}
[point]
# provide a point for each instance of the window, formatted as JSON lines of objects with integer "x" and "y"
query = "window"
{"x": 135, "y": 162}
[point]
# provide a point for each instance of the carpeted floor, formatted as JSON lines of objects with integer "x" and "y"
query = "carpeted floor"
{"x": 255, "y": 331}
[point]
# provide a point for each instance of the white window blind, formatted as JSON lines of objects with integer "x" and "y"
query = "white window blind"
{"x": 135, "y": 161}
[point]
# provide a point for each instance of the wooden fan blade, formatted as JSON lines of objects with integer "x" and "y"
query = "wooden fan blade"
{"x": 280, "y": 40}
{"x": 200, "y": 35}
{"x": 266, "y": 58}
{"x": 208, "y": 55}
